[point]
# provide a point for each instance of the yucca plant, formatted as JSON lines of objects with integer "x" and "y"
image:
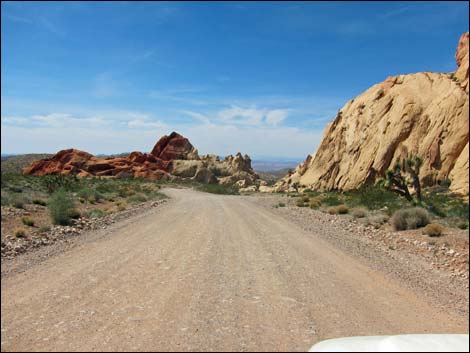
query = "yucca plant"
{"x": 398, "y": 182}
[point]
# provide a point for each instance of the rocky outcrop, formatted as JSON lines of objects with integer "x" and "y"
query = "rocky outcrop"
{"x": 423, "y": 114}
{"x": 173, "y": 147}
{"x": 172, "y": 158}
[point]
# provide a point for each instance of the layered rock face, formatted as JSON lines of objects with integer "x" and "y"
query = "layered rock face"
{"x": 172, "y": 158}
{"x": 423, "y": 114}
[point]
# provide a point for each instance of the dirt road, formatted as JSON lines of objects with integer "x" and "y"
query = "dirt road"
{"x": 207, "y": 272}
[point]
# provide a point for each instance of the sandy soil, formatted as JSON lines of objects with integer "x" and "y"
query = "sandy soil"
{"x": 207, "y": 272}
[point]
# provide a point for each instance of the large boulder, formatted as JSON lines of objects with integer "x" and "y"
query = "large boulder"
{"x": 173, "y": 147}
{"x": 423, "y": 114}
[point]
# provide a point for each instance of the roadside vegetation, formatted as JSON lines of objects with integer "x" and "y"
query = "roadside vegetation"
{"x": 377, "y": 205}
{"x": 43, "y": 201}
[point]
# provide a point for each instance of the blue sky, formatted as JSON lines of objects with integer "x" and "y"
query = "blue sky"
{"x": 260, "y": 78}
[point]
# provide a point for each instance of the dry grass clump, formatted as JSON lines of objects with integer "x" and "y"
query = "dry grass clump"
{"x": 315, "y": 202}
{"x": 433, "y": 230}
{"x": 121, "y": 205}
{"x": 410, "y": 218}
{"x": 342, "y": 209}
{"x": 20, "y": 233}
{"x": 27, "y": 221}
{"x": 358, "y": 213}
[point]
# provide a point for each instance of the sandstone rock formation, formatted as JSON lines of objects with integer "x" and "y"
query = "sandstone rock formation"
{"x": 172, "y": 158}
{"x": 423, "y": 114}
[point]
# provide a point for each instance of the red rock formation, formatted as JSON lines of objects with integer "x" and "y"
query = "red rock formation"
{"x": 173, "y": 156}
{"x": 174, "y": 146}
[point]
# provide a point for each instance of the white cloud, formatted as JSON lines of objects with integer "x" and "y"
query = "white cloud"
{"x": 145, "y": 123}
{"x": 253, "y": 116}
{"x": 200, "y": 117}
{"x": 238, "y": 115}
{"x": 275, "y": 117}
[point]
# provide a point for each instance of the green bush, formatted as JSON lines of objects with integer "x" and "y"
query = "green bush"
{"x": 95, "y": 213}
{"x": 61, "y": 207}
{"x": 433, "y": 230}
{"x": 44, "y": 229}
{"x": 53, "y": 183}
{"x": 40, "y": 202}
{"x": 410, "y": 218}
{"x": 301, "y": 203}
{"x": 137, "y": 198}
{"x": 462, "y": 225}
{"x": 27, "y": 221}
{"x": 305, "y": 198}
{"x": 331, "y": 199}
{"x": 281, "y": 204}
{"x": 218, "y": 189}
{"x": 374, "y": 197}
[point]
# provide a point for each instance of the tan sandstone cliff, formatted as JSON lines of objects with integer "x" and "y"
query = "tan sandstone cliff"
{"x": 424, "y": 114}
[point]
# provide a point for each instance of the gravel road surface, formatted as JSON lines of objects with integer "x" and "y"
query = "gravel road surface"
{"x": 207, "y": 272}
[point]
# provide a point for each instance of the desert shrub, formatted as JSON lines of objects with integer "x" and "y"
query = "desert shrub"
{"x": 358, "y": 213}
{"x": 331, "y": 199}
{"x": 40, "y": 202}
{"x": 95, "y": 213}
{"x": 281, "y": 204}
{"x": 462, "y": 225}
{"x": 315, "y": 203}
{"x": 305, "y": 198}
{"x": 19, "y": 233}
{"x": 44, "y": 229}
{"x": 85, "y": 193}
{"x": 27, "y": 221}
{"x": 332, "y": 210}
{"x": 121, "y": 205}
{"x": 90, "y": 194}
{"x": 301, "y": 203}
{"x": 61, "y": 206}
{"x": 137, "y": 198}
{"x": 111, "y": 196}
{"x": 342, "y": 209}
{"x": 374, "y": 197}
{"x": 18, "y": 203}
{"x": 410, "y": 218}
{"x": 433, "y": 230}
{"x": 17, "y": 189}
{"x": 53, "y": 183}
{"x": 74, "y": 213}
{"x": 218, "y": 189}
{"x": 5, "y": 199}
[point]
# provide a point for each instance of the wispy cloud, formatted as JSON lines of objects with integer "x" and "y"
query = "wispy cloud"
{"x": 394, "y": 12}
{"x": 198, "y": 116}
{"x": 252, "y": 116}
{"x": 51, "y": 27}
{"x": 18, "y": 19}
